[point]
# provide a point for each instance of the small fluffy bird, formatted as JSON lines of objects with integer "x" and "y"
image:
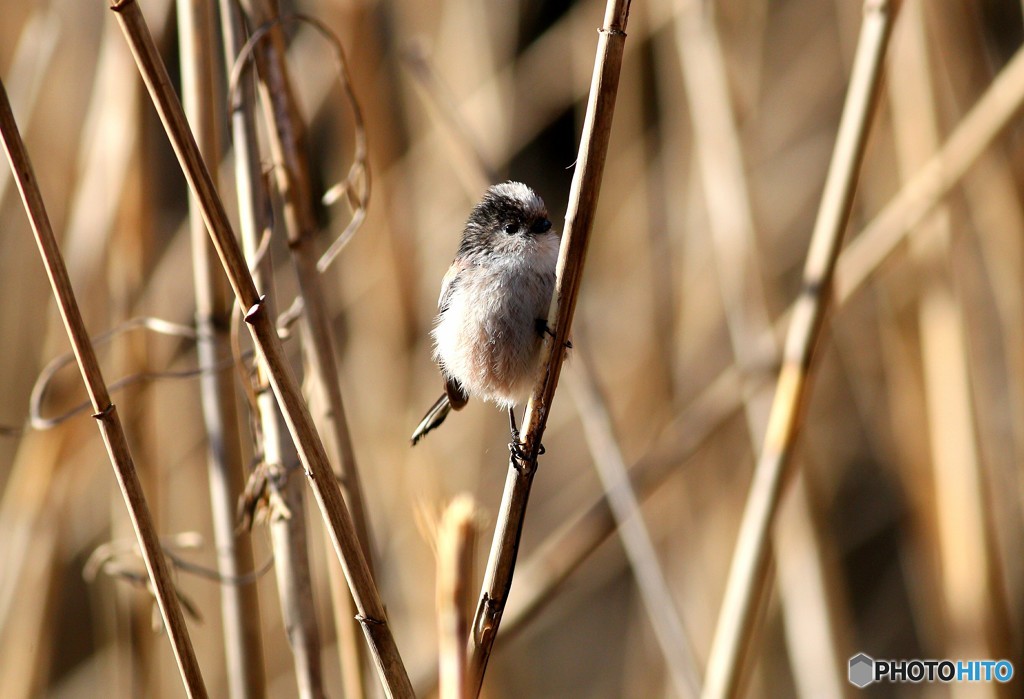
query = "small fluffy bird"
{"x": 492, "y": 313}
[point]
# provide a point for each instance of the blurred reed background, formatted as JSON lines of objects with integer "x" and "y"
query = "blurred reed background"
{"x": 900, "y": 532}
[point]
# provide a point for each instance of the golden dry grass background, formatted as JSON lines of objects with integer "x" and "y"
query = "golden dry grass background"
{"x": 909, "y": 542}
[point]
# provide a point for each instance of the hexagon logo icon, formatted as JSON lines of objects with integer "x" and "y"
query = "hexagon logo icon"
{"x": 862, "y": 670}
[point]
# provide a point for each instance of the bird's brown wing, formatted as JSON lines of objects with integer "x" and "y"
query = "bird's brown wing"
{"x": 449, "y": 284}
{"x": 457, "y": 395}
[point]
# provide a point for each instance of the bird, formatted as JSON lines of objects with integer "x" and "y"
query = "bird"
{"x": 493, "y": 308}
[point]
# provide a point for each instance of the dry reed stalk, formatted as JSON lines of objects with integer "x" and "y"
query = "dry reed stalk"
{"x": 28, "y": 67}
{"x": 734, "y": 242}
{"x": 579, "y": 219}
{"x": 289, "y": 539}
{"x": 456, "y": 544}
{"x": 564, "y": 551}
{"x": 599, "y": 430}
{"x": 961, "y": 522}
{"x": 289, "y": 150}
{"x": 105, "y": 412}
{"x": 243, "y": 645}
{"x": 749, "y": 568}
{"x": 339, "y": 521}
{"x": 288, "y": 533}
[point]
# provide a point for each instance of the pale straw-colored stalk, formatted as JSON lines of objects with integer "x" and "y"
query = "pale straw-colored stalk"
{"x": 456, "y": 544}
{"x": 748, "y": 572}
{"x": 240, "y": 612}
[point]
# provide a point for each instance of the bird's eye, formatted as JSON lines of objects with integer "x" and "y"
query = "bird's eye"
{"x": 511, "y": 228}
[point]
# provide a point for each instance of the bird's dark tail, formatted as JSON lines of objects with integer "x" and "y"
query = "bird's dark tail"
{"x": 434, "y": 417}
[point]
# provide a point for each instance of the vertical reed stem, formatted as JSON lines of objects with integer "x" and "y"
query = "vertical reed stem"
{"x": 243, "y": 645}
{"x": 456, "y": 543}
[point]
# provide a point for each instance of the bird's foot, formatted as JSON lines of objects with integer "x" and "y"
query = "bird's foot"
{"x": 544, "y": 329}
{"x": 521, "y": 460}
{"x": 517, "y": 449}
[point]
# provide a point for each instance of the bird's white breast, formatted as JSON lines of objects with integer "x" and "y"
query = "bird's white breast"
{"x": 487, "y": 337}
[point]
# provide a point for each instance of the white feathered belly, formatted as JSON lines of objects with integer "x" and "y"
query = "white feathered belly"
{"x": 487, "y": 338}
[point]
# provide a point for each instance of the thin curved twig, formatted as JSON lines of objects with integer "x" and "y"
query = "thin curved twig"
{"x": 111, "y": 550}
{"x": 157, "y": 325}
{"x": 357, "y": 183}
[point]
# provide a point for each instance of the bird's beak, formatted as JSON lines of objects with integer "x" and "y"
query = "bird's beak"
{"x": 541, "y": 226}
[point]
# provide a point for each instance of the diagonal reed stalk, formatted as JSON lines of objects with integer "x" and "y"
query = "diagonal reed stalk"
{"x": 598, "y": 428}
{"x": 742, "y": 289}
{"x": 340, "y": 525}
{"x": 579, "y": 219}
{"x": 243, "y": 646}
{"x": 748, "y": 574}
{"x": 104, "y": 411}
